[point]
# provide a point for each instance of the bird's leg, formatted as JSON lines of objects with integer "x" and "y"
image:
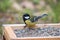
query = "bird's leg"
{"x": 31, "y": 29}
{"x": 25, "y": 26}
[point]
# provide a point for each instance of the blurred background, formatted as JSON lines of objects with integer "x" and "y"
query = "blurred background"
{"x": 11, "y": 11}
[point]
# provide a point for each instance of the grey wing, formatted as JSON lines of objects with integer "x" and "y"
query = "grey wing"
{"x": 35, "y": 18}
{"x": 41, "y": 16}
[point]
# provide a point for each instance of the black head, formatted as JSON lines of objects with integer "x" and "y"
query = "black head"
{"x": 26, "y": 17}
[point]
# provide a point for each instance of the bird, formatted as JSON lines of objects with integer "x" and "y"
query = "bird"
{"x": 31, "y": 21}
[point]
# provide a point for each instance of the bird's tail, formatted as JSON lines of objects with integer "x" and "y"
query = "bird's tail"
{"x": 36, "y": 19}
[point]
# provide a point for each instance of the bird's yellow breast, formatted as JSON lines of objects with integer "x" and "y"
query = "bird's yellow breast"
{"x": 30, "y": 24}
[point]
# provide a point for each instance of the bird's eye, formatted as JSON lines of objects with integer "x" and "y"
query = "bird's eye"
{"x": 26, "y": 17}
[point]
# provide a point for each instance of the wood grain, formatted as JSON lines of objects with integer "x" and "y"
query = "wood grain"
{"x": 10, "y": 35}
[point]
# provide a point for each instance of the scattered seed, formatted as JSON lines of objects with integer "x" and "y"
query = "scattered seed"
{"x": 47, "y": 31}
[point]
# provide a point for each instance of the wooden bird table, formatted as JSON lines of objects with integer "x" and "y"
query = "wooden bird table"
{"x": 8, "y": 32}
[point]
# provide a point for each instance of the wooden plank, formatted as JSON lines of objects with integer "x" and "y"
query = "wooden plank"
{"x": 24, "y": 24}
{"x": 40, "y": 39}
{"x": 8, "y": 33}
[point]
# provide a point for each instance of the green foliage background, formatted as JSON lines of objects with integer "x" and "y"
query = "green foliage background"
{"x": 4, "y": 5}
{"x": 56, "y": 10}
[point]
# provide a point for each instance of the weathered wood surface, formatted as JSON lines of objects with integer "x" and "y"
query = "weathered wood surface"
{"x": 10, "y": 35}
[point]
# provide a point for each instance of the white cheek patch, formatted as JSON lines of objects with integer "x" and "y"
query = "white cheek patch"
{"x": 26, "y": 17}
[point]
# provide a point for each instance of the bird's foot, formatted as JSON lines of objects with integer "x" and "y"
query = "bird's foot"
{"x": 24, "y": 27}
{"x": 31, "y": 29}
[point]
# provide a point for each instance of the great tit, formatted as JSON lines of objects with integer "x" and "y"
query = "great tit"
{"x": 30, "y": 22}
